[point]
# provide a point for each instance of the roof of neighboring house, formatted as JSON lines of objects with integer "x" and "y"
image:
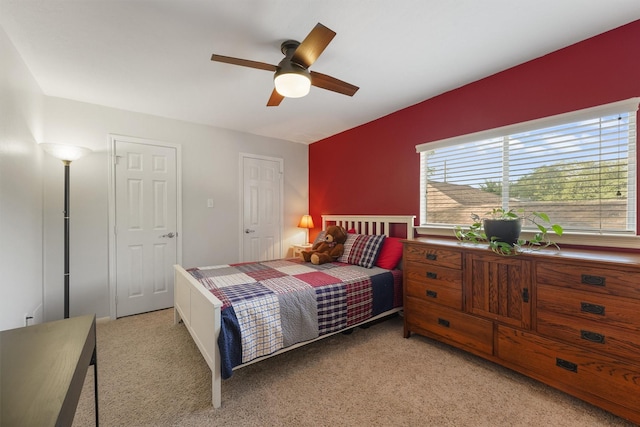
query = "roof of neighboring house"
{"x": 464, "y": 194}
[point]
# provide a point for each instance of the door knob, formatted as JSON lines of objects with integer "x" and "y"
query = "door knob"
{"x": 248, "y": 230}
{"x": 170, "y": 235}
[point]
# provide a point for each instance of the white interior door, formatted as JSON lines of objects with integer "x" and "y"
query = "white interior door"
{"x": 262, "y": 208}
{"x": 146, "y": 228}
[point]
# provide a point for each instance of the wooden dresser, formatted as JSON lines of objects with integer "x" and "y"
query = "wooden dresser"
{"x": 568, "y": 318}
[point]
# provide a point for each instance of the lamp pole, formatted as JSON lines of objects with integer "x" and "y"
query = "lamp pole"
{"x": 67, "y": 164}
{"x": 66, "y": 153}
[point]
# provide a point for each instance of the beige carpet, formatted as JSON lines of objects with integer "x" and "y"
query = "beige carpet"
{"x": 151, "y": 374}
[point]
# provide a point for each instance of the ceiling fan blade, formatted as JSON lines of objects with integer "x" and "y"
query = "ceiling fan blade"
{"x": 275, "y": 99}
{"x": 331, "y": 83}
{"x": 243, "y": 62}
{"x": 313, "y": 45}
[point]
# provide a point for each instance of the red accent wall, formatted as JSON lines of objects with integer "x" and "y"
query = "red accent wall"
{"x": 374, "y": 168}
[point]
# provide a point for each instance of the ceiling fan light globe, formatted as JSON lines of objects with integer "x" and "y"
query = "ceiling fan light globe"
{"x": 292, "y": 85}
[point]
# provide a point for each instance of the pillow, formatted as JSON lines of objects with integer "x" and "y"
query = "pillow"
{"x": 390, "y": 254}
{"x": 351, "y": 231}
{"x": 319, "y": 237}
{"x": 362, "y": 250}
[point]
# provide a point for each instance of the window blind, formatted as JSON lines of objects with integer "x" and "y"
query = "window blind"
{"x": 579, "y": 168}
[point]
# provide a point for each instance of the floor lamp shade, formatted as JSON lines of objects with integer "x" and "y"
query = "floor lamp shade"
{"x": 66, "y": 153}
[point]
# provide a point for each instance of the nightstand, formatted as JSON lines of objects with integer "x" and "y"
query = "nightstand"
{"x": 299, "y": 248}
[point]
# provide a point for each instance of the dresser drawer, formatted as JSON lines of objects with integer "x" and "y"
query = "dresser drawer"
{"x": 599, "y": 322}
{"x": 591, "y": 279}
{"x": 431, "y": 255}
{"x": 604, "y": 309}
{"x": 468, "y": 331}
{"x": 435, "y": 284}
{"x": 612, "y": 379}
{"x": 590, "y": 334}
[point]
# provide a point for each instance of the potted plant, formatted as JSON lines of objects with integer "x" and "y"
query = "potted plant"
{"x": 501, "y": 229}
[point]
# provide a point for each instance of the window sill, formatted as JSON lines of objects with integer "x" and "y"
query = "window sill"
{"x": 619, "y": 241}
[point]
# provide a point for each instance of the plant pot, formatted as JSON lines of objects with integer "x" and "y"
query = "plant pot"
{"x": 503, "y": 230}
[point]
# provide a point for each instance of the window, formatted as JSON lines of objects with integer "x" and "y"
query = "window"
{"x": 579, "y": 168}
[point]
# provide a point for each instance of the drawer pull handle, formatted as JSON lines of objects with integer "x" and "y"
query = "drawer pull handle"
{"x": 443, "y": 322}
{"x": 432, "y": 275}
{"x": 432, "y": 257}
{"x": 592, "y": 280}
{"x": 525, "y": 295}
{"x": 592, "y": 308}
{"x": 592, "y": 336}
{"x": 432, "y": 294}
{"x": 565, "y": 364}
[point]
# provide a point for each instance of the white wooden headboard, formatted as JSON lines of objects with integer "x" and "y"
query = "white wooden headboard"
{"x": 370, "y": 224}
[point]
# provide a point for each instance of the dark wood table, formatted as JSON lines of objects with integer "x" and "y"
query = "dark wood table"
{"x": 42, "y": 371}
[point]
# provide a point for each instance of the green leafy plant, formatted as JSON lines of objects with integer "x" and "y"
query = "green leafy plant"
{"x": 475, "y": 233}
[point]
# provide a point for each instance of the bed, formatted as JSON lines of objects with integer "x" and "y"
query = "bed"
{"x": 239, "y": 314}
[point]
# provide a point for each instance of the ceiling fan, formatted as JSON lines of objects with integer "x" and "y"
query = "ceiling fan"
{"x": 292, "y": 76}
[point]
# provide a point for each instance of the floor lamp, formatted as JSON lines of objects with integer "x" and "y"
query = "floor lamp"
{"x": 66, "y": 153}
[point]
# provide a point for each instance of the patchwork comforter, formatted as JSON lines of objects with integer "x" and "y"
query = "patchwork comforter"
{"x": 271, "y": 305}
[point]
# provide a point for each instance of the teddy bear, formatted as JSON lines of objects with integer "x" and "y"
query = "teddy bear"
{"x": 328, "y": 249}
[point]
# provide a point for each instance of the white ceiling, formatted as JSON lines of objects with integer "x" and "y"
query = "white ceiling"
{"x": 153, "y": 56}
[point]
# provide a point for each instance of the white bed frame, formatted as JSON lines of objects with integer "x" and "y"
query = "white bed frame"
{"x": 199, "y": 309}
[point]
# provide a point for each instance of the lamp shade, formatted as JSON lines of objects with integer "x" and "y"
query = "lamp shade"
{"x": 292, "y": 80}
{"x": 306, "y": 222}
{"x": 65, "y": 152}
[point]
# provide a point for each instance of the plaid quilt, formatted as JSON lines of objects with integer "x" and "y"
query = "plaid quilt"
{"x": 271, "y": 305}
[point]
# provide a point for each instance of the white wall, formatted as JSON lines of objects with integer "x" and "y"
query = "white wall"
{"x": 31, "y": 194}
{"x": 20, "y": 191}
{"x": 210, "y": 169}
